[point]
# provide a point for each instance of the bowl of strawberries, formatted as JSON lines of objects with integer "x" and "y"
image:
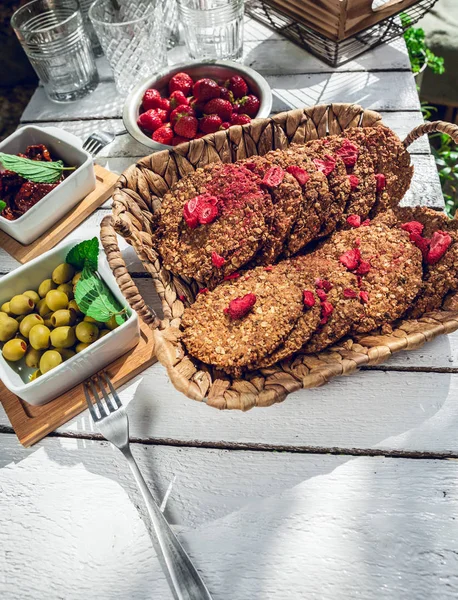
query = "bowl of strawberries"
{"x": 190, "y": 101}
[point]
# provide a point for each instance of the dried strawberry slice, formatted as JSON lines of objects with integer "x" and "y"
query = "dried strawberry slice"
{"x": 381, "y": 182}
{"x": 349, "y": 293}
{"x": 327, "y": 165}
{"x": 438, "y": 247}
{"x": 354, "y": 220}
{"x": 231, "y": 276}
{"x": 207, "y": 213}
{"x": 363, "y": 268}
{"x": 218, "y": 260}
{"x": 273, "y": 177}
{"x": 299, "y": 173}
{"x": 326, "y": 311}
{"x": 354, "y": 181}
{"x": 366, "y": 223}
{"x": 323, "y": 284}
{"x": 413, "y": 227}
{"x": 239, "y": 307}
{"x": 351, "y": 259}
{"x": 364, "y": 296}
{"x": 321, "y": 295}
{"x": 348, "y": 152}
{"x": 421, "y": 243}
{"x": 203, "y": 291}
{"x": 309, "y": 298}
{"x": 268, "y": 268}
{"x": 190, "y": 214}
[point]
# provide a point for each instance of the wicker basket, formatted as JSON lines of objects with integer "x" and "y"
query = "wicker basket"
{"x": 137, "y": 198}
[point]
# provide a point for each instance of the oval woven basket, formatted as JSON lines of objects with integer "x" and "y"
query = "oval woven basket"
{"x": 136, "y": 201}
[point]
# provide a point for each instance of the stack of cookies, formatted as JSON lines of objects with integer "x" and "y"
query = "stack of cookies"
{"x": 300, "y": 247}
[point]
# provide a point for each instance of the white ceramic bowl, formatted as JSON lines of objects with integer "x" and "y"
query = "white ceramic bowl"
{"x": 213, "y": 69}
{"x": 65, "y": 196}
{"x": 78, "y": 368}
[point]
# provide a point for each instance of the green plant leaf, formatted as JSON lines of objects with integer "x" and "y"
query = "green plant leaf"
{"x": 34, "y": 170}
{"x": 2, "y": 205}
{"x": 95, "y": 299}
{"x": 84, "y": 254}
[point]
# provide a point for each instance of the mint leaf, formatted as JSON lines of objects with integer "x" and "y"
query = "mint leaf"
{"x": 2, "y": 205}
{"x": 85, "y": 253}
{"x": 37, "y": 171}
{"x": 95, "y": 299}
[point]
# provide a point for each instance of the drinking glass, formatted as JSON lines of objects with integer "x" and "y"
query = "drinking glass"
{"x": 53, "y": 37}
{"x": 132, "y": 36}
{"x": 213, "y": 29}
{"x": 84, "y": 8}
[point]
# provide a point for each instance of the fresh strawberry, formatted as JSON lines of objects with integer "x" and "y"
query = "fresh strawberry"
{"x": 177, "y": 98}
{"x": 238, "y": 86}
{"x": 206, "y": 89}
{"x": 210, "y": 123}
{"x": 165, "y": 105}
{"x": 151, "y": 99}
{"x": 199, "y": 135}
{"x": 150, "y": 120}
{"x": 186, "y": 126}
{"x": 225, "y": 125}
{"x": 180, "y": 82}
{"x": 177, "y": 139}
{"x": 181, "y": 111}
{"x": 197, "y": 106}
{"x": 226, "y": 94}
{"x": 163, "y": 135}
{"x": 250, "y": 105}
{"x": 220, "y": 107}
{"x": 240, "y": 119}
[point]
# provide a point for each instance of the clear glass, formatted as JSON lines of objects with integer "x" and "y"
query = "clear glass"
{"x": 84, "y": 8}
{"x": 213, "y": 29}
{"x": 58, "y": 47}
{"x": 132, "y": 35}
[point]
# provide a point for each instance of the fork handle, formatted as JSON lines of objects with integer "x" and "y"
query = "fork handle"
{"x": 185, "y": 581}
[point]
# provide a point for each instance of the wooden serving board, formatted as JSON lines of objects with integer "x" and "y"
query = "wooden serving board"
{"x": 105, "y": 182}
{"x": 32, "y": 423}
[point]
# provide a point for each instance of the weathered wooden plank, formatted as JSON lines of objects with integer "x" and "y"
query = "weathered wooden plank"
{"x": 257, "y": 525}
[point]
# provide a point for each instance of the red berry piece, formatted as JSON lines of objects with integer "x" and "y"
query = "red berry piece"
{"x": 348, "y": 152}
{"x": 205, "y": 89}
{"x": 197, "y": 105}
{"x": 269, "y": 268}
{"x": 163, "y": 135}
{"x": 220, "y": 107}
{"x": 326, "y": 311}
{"x": 321, "y": 295}
{"x": 182, "y": 298}
{"x": 210, "y": 123}
{"x": 203, "y": 291}
{"x": 207, "y": 213}
{"x": 323, "y": 284}
{"x": 177, "y": 98}
{"x": 226, "y": 94}
{"x": 381, "y": 182}
{"x": 349, "y": 293}
{"x": 165, "y": 106}
{"x": 364, "y": 296}
{"x": 351, "y": 259}
{"x": 250, "y": 105}
{"x": 151, "y": 99}
{"x": 363, "y": 268}
{"x": 421, "y": 243}
{"x": 231, "y": 276}
{"x": 150, "y": 120}
{"x": 181, "y": 111}
{"x": 309, "y": 298}
{"x": 354, "y": 181}
{"x": 413, "y": 227}
{"x": 191, "y": 212}
{"x": 273, "y": 177}
{"x": 326, "y": 166}
{"x": 240, "y": 119}
{"x": 186, "y": 126}
{"x": 177, "y": 140}
{"x": 440, "y": 242}
{"x": 354, "y": 220}
{"x": 238, "y": 86}
{"x": 225, "y": 125}
{"x": 300, "y": 174}
{"x": 181, "y": 82}
{"x": 240, "y": 307}
{"x": 366, "y": 223}
{"x": 218, "y": 260}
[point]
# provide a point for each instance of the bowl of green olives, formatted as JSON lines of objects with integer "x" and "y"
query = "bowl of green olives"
{"x": 47, "y": 344}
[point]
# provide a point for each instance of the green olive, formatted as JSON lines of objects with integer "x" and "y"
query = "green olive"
{"x": 76, "y": 278}
{"x": 63, "y": 317}
{"x": 99, "y": 324}
{"x": 3, "y": 315}
{"x": 63, "y": 337}
{"x": 48, "y": 320}
{"x": 50, "y": 360}
{"x": 42, "y": 308}
{"x": 8, "y": 328}
{"x": 103, "y": 333}
{"x": 87, "y": 332}
{"x": 56, "y": 300}
{"x": 33, "y": 295}
{"x": 72, "y": 305}
{"x": 35, "y": 375}
{"x": 63, "y": 273}
{"x": 32, "y": 358}
{"x": 111, "y": 323}
{"x": 28, "y": 322}
{"x": 21, "y": 305}
{"x": 66, "y": 353}
{"x": 80, "y": 347}
{"x": 6, "y": 308}
{"x": 39, "y": 337}
{"x": 46, "y": 286}
{"x": 67, "y": 288}
{"x": 14, "y": 350}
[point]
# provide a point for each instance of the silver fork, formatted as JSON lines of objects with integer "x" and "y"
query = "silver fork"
{"x": 99, "y": 139}
{"x": 113, "y": 423}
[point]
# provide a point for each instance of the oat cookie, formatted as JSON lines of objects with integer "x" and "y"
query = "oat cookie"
{"x": 212, "y": 336}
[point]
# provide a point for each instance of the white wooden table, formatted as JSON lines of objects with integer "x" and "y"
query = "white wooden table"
{"x": 348, "y": 491}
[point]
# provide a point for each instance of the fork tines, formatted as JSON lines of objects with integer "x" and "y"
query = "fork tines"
{"x": 104, "y": 408}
